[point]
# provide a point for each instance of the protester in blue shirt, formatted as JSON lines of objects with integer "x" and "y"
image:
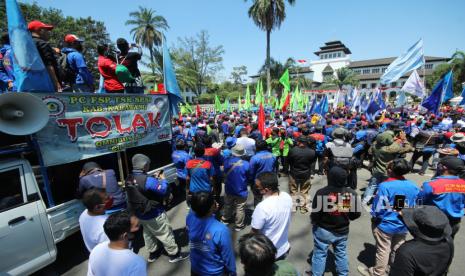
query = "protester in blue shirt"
{"x": 236, "y": 172}
{"x": 80, "y": 79}
{"x": 157, "y": 228}
{"x": 180, "y": 158}
{"x": 212, "y": 252}
{"x": 200, "y": 172}
{"x": 447, "y": 191}
{"x": 230, "y": 143}
{"x": 7, "y": 77}
{"x": 262, "y": 161}
{"x": 389, "y": 231}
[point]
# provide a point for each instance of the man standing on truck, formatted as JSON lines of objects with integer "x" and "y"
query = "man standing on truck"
{"x": 156, "y": 226}
{"x": 92, "y": 219}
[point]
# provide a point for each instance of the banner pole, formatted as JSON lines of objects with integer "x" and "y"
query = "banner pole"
{"x": 120, "y": 167}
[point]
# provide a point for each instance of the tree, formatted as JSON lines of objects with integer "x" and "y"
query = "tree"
{"x": 237, "y": 73}
{"x": 344, "y": 76}
{"x": 93, "y": 32}
{"x": 268, "y": 15}
{"x": 147, "y": 30}
{"x": 194, "y": 57}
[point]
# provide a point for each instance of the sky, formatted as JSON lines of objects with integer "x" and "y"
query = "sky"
{"x": 369, "y": 28}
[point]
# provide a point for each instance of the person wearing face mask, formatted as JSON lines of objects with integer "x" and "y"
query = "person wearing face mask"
{"x": 41, "y": 35}
{"x": 92, "y": 219}
{"x": 272, "y": 216}
{"x": 447, "y": 191}
{"x": 114, "y": 256}
{"x": 75, "y": 72}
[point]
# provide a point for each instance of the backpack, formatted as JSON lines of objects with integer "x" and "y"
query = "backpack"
{"x": 135, "y": 194}
{"x": 341, "y": 155}
{"x": 66, "y": 73}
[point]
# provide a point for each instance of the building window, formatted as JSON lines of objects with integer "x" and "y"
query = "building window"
{"x": 326, "y": 56}
{"x": 357, "y": 71}
{"x": 403, "y": 83}
{"x": 339, "y": 55}
{"x": 375, "y": 71}
{"x": 429, "y": 66}
{"x": 384, "y": 69}
{"x": 364, "y": 85}
{"x": 366, "y": 71}
{"x": 373, "y": 85}
{"x": 393, "y": 84}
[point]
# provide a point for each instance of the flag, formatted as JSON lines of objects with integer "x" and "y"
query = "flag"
{"x": 322, "y": 107}
{"x": 380, "y": 99}
{"x": 239, "y": 103}
{"x": 226, "y": 105}
{"x": 312, "y": 107}
{"x": 29, "y": 70}
{"x": 463, "y": 97}
{"x": 336, "y": 99}
{"x": 295, "y": 99}
{"x": 218, "y": 106}
{"x": 277, "y": 104}
{"x": 283, "y": 98}
{"x": 171, "y": 84}
{"x": 198, "y": 111}
{"x": 258, "y": 93}
{"x": 448, "y": 92}
{"x": 408, "y": 61}
{"x": 414, "y": 85}
{"x": 261, "y": 120}
{"x": 247, "y": 103}
{"x": 188, "y": 108}
{"x": 433, "y": 102}
{"x": 284, "y": 80}
{"x": 401, "y": 99}
{"x": 372, "y": 110}
{"x": 286, "y": 102}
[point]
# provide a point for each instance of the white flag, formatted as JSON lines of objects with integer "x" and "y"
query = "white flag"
{"x": 336, "y": 99}
{"x": 401, "y": 99}
{"x": 414, "y": 85}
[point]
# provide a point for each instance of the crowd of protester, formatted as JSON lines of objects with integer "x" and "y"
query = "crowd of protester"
{"x": 67, "y": 67}
{"x": 222, "y": 160}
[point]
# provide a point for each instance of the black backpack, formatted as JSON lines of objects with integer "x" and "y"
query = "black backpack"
{"x": 138, "y": 202}
{"x": 341, "y": 156}
{"x": 67, "y": 74}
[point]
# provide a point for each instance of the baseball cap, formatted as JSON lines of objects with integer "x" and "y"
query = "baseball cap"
{"x": 452, "y": 163}
{"x": 36, "y": 25}
{"x": 70, "y": 38}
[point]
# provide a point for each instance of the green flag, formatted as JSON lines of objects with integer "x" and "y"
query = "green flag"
{"x": 284, "y": 80}
{"x": 283, "y": 98}
{"x": 218, "y": 106}
{"x": 239, "y": 103}
{"x": 182, "y": 109}
{"x": 258, "y": 96}
{"x": 277, "y": 104}
{"x": 226, "y": 105}
{"x": 247, "y": 103}
{"x": 188, "y": 108}
{"x": 295, "y": 99}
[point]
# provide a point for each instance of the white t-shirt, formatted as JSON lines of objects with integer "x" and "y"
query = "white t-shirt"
{"x": 104, "y": 261}
{"x": 248, "y": 144}
{"x": 92, "y": 229}
{"x": 272, "y": 217}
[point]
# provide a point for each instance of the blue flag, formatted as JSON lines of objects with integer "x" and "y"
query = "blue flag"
{"x": 408, "y": 61}
{"x": 171, "y": 84}
{"x": 323, "y": 107}
{"x": 433, "y": 102}
{"x": 463, "y": 97}
{"x": 380, "y": 99}
{"x": 448, "y": 93}
{"x": 29, "y": 70}
{"x": 312, "y": 107}
{"x": 372, "y": 110}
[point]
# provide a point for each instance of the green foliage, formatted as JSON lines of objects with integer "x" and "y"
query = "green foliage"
{"x": 237, "y": 73}
{"x": 92, "y": 31}
{"x": 197, "y": 61}
{"x": 147, "y": 31}
{"x": 457, "y": 65}
{"x": 344, "y": 76}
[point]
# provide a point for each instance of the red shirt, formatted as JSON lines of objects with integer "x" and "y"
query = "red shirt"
{"x": 107, "y": 69}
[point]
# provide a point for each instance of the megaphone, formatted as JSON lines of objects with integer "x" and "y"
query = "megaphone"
{"x": 22, "y": 113}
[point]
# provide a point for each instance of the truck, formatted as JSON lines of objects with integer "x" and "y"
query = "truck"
{"x": 38, "y": 204}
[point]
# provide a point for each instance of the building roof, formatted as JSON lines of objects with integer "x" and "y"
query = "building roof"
{"x": 333, "y": 46}
{"x": 366, "y": 77}
{"x": 387, "y": 61}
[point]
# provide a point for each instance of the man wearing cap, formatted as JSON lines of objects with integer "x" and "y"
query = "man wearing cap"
{"x": 236, "y": 175}
{"x": 447, "y": 191}
{"x": 76, "y": 74}
{"x": 180, "y": 158}
{"x": 129, "y": 59}
{"x": 431, "y": 250}
{"x": 300, "y": 159}
{"x": 157, "y": 227}
{"x": 41, "y": 35}
{"x": 384, "y": 150}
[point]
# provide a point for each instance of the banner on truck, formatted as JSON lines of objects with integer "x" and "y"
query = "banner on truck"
{"x": 82, "y": 126}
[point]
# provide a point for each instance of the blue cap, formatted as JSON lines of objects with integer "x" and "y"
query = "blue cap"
{"x": 231, "y": 142}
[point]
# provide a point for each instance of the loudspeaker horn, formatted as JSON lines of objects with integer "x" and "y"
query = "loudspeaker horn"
{"x": 22, "y": 113}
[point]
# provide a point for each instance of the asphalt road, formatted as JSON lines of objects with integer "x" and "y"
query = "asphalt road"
{"x": 72, "y": 255}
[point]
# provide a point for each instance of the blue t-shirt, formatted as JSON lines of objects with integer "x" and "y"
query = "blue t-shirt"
{"x": 180, "y": 158}
{"x": 78, "y": 64}
{"x": 262, "y": 161}
{"x": 200, "y": 171}
{"x": 211, "y": 252}
{"x": 387, "y": 191}
{"x": 236, "y": 173}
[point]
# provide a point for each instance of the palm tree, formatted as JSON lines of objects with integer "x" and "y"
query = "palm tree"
{"x": 268, "y": 15}
{"x": 147, "y": 30}
{"x": 344, "y": 76}
{"x": 458, "y": 64}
